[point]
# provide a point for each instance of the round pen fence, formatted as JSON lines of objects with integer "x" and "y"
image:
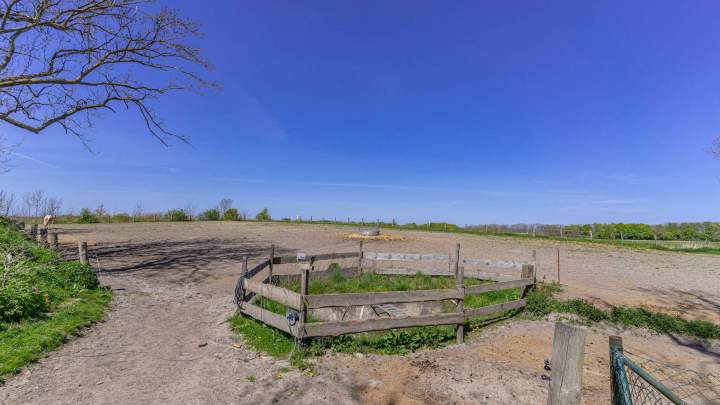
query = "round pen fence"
{"x": 315, "y": 315}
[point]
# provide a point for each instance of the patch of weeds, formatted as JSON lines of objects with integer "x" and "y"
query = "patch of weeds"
{"x": 251, "y": 378}
{"x": 541, "y": 302}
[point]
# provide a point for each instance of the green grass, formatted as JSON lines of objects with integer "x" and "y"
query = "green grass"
{"x": 42, "y": 300}
{"x": 278, "y": 344}
{"x": 542, "y": 302}
{"x": 26, "y": 341}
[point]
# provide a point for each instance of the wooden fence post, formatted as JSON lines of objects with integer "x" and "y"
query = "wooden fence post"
{"x": 567, "y": 365}
{"x": 460, "y": 285}
{"x": 54, "y": 243}
{"x": 270, "y": 267}
{"x": 304, "y": 289}
{"x": 83, "y": 252}
{"x": 360, "y": 258}
{"x": 528, "y": 271}
{"x": 44, "y": 237}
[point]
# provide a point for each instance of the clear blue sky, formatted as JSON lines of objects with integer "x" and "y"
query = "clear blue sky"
{"x": 470, "y": 112}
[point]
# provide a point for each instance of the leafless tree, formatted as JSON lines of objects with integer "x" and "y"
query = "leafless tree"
{"x": 52, "y": 206}
{"x": 224, "y": 205}
{"x": 190, "y": 210}
{"x": 66, "y": 61}
{"x": 7, "y": 201}
{"x": 34, "y": 202}
{"x": 137, "y": 212}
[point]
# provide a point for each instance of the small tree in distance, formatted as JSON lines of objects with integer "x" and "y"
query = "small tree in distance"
{"x": 224, "y": 205}
{"x": 211, "y": 214}
{"x": 231, "y": 214}
{"x": 263, "y": 215}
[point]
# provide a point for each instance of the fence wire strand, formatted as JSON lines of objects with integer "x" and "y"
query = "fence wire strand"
{"x": 689, "y": 386}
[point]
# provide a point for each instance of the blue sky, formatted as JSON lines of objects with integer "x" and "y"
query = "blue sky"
{"x": 468, "y": 112}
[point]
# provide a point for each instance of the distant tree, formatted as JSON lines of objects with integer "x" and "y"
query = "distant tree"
{"x": 87, "y": 217}
{"x": 224, "y": 205}
{"x": 52, "y": 206}
{"x": 100, "y": 212}
{"x": 231, "y": 214}
{"x": 137, "y": 212}
{"x": 263, "y": 215}
{"x": 65, "y": 62}
{"x": 177, "y": 215}
{"x": 211, "y": 214}
{"x": 7, "y": 201}
{"x": 190, "y": 211}
{"x": 34, "y": 202}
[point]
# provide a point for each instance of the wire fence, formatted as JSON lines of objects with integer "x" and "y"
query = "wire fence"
{"x": 638, "y": 380}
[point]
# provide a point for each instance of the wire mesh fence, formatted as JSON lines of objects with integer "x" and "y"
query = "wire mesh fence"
{"x": 638, "y": 380}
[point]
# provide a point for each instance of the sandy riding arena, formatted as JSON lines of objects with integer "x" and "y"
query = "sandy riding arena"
{"x": 165, "y": 339}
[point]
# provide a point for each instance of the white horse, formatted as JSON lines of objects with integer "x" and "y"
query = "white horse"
{"x": 47, "y": 220}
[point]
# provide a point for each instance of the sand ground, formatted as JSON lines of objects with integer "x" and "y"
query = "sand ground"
{"x": 166, "y": 340}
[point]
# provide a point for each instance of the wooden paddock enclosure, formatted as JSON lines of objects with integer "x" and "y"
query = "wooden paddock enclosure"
{"x": 257, "y": 281}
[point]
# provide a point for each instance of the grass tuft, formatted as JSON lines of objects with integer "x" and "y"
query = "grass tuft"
{"x": 542, "y": 302}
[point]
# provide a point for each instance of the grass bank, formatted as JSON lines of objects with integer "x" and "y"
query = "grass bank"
{"x": 542, "y": 302}
{"x": 42, "y": 300}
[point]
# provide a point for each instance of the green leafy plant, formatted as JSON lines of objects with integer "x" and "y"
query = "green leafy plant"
{"x": 87, "y": 217}
{"x": 211, "y": 214}
{"x": 231, "y": 215}
{"x": 177, "y": 215}
{"x": 263, "y": 215}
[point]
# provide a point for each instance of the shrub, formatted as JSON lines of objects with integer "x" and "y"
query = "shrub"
{"x": 121, "y": 217}
{"x": 177, "y": 215}
{"x": 211, "y": 214}
{"x": 263, "y": 215}
{"x": 87, "y": 217}
{"x": 231, "y": 214}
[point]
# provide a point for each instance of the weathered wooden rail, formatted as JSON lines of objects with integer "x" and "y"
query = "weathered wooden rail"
{"x": 254, "y": 283}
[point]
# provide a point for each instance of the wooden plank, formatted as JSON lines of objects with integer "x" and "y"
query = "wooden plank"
{"x": 281, "y": 295}
{"x": 391, "y": 310}
{"x": 500, "y": 264}
{"x": 460, "y": 285}
{"x": 482, "y": 275}
{"x": 346, "y": 327}
{"x": 405, "y": 257}
{"x": 412, "y": 272}
{"x": 257, "y": 269}
{"x": 567, "y": 365}
{"x": 491, "y": 309}
{"x": 334, "y": 256}
{"x": 376, "y": 298}
{"x": 265, "y": 316}
{"x": 503, "y": 285}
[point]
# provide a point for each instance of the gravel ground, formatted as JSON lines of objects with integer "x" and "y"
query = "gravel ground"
{"x": 165, "y": 340}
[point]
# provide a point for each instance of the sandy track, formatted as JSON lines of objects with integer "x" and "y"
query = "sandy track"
{"x": 165, "y": 340}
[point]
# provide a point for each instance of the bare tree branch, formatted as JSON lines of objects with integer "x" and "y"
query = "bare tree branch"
{"x": 66, "y": 61}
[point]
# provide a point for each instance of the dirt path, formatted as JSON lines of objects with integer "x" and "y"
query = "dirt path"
{"x": 165, "y": 340}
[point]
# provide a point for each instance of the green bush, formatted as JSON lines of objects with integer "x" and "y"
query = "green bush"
{"x": 177, "y": 215}
{"x": 263, "y": 215}
{"x": 20, "y": 298}
{"x": 87, "y": 217}
{"x": 211, "y": 214}
{"x": 231, "y": 214}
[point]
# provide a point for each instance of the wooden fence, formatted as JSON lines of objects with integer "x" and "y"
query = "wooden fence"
{"x": 256, "y": 282}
